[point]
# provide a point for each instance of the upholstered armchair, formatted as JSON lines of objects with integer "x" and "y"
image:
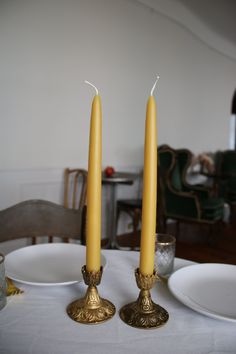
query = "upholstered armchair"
{"x": 180, "y": 200}
{"x": 226, "y": 172}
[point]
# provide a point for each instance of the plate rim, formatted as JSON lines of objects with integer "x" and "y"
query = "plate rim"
{"x": 18, "y": 279}
{"x": 187, "y": 301}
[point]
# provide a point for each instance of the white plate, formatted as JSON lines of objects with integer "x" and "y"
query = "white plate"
{"x": 207, "y": 288}
{"x": 47, "y": 264}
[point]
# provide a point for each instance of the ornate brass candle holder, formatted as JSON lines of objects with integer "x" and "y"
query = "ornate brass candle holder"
{"x": 91, "y": 309}
{"x": 144, "y": 313}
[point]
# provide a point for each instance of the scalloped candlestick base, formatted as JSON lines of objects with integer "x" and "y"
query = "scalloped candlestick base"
{"x": 91, "y": 309}
{"x": 144, "y": 313}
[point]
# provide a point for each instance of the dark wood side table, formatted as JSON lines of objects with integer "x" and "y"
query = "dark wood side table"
{"x": 113, "y": 182}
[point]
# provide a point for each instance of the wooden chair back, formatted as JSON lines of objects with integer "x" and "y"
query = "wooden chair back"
{"x": 34, "y": 218}
{"x": 75, "y": 193}
{"x": 75, "y": 188}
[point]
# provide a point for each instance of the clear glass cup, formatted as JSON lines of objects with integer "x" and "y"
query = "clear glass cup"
{"x": 3, "y": 285}
{"x": 164, "y": 254}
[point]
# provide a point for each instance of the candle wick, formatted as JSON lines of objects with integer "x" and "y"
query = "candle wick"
{"x": 89, "y": 83}
{"x": 153, "y": 88}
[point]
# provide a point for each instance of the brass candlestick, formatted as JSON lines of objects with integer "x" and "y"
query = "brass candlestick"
{"x": 91, "y": 309}
{"x": 144, "y": 313}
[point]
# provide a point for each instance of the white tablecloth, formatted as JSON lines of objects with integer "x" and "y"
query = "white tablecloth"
{"x": 36, "y": 322}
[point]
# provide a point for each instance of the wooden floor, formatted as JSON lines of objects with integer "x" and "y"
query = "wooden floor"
{"x": 193, "y": 243}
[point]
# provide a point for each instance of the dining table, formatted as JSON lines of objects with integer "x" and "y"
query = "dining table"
{"x": 36, "y": 321}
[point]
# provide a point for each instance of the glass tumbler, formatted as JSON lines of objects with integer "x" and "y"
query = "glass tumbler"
{"x": 164, "y": 254}
{"x": 3, "y": 285}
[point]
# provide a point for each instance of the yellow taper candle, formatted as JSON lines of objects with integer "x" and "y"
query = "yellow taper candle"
{"x": 94, "y": 185}
{"x": 147, "y": 249}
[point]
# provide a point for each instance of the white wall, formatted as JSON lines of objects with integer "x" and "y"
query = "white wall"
{"x": 48, "y": 49}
